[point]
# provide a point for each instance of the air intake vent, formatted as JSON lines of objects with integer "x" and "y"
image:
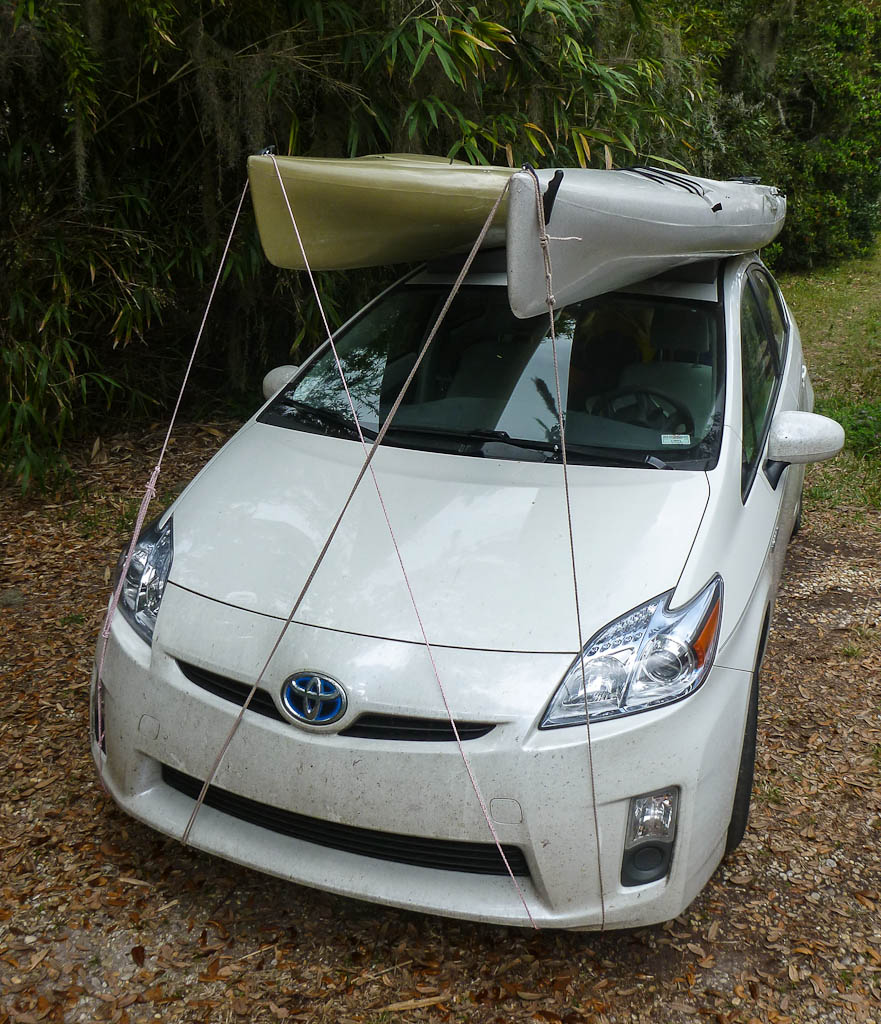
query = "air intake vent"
{"x": 398, "y": 727}
{"x": 368, "y": 726}
{"x": 100, "y": 736}
{"x": 231, "y": 690}
{"x": 439, "y": 854}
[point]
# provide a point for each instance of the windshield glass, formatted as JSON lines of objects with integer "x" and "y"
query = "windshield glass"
{"x": 641, "y": 376}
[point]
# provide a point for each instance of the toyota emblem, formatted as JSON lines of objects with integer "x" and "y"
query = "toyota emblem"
{"x": 313, "y": 699}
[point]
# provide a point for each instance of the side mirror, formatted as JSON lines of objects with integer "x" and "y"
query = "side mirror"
{"x": 799, "y": 438}
{"x": 276, "y": 379}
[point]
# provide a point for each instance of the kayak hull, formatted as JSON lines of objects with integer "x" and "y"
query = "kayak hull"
{"x": 373, "y": 211}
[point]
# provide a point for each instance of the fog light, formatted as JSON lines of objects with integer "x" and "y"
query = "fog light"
{"x": 651, "y": 832}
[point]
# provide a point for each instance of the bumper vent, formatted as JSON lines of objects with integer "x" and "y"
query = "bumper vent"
{"x": 231, "y": 690}
{"x": 438, "y": 854}
{"x": 368, "y": 726}
{"x": 99, "y": 695}
{"x": 397, "y": 727}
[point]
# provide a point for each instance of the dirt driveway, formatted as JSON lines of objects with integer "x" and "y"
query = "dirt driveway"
{"x": 103, "y": 919}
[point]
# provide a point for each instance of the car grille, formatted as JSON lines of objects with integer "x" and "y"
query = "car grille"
{"x": 438, "y": 854}
{"x": 370, "y": 726}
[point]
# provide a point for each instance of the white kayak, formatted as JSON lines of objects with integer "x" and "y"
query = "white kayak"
{"x": 607, "y": 229}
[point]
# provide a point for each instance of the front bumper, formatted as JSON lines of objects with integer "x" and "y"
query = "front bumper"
{"x": 535, "y": 783}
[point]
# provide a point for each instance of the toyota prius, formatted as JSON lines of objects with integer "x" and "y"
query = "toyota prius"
{"x": 572, "y": 764}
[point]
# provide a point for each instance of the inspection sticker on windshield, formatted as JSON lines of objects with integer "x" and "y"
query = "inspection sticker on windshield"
{"x": 675, "y": 438}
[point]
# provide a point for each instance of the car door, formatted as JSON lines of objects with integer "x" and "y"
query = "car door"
{"x": 766, "y": 369}
{"x": 795, "y": 384}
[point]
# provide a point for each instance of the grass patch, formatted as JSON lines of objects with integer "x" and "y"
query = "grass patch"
{"x": 861, "y": 422}
{"x": 839, "y": 312}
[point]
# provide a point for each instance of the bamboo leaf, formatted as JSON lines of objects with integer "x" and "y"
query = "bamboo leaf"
{"x": 450, "y": 69}
{"x": 420, "y": 60}
{"x": 432, "y": 111}
{"x": 533, "y": 138}
{"x": 493, "y": 30}
{"x": 582, "y": 147}
{"x": 627, "y": 142}
{"x": 667, "y": 162}
{"x": 433, "y": 32}
{"x": 600, "y": 136}
{"x": 472, "y": 38}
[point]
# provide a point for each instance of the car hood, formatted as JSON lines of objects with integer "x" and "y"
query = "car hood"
{"x": 485, "y": 542}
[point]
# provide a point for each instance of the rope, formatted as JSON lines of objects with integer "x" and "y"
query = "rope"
{"x": 150, "y": 493}
{"x": 364, "y": 468}
{"x": 551, "y": 302}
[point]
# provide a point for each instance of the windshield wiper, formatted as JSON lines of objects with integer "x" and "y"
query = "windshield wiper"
{"x": 328, "y": 418}
{"x": 470, "y": 438}
{"x": 577, "y": 452}
{"x": 450, "y": 432}
{"x": 606, "y": 456}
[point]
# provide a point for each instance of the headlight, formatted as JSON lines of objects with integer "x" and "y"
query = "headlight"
{"x": 648, "y": 657}
{"x": 145, "y": 580}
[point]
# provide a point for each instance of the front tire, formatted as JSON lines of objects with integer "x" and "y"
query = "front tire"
{"x": 796, "y": 526}
{"x": 745, "y": 773}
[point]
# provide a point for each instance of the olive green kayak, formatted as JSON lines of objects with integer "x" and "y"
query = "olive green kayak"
{"x": 373, "y": 210}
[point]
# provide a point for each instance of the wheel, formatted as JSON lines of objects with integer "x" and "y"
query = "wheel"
{"x": 645, "y": 407}
{"x": 744, "y": 788}
{"x": 796, "y": 526}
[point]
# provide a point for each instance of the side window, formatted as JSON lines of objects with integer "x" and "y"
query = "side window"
{"x": 768, "y": 296}
{"x": 759, "y": 374}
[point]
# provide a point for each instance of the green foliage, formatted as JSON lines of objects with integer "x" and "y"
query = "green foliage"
{"x": 799, "y": 103}
{"x": 838, "y": 310}
{"x": 861, "y": 422}
{"x": 124, "y": 128}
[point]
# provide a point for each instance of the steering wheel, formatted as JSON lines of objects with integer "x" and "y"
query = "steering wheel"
{"x": 644, "y": 407}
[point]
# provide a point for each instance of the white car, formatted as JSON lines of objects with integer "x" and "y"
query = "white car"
{"x": 687, "y": 427}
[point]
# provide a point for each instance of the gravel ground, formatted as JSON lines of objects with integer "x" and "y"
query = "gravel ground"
{"x": 103, "y": 919}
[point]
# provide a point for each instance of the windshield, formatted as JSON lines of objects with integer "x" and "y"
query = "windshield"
{"x": 641, "y": 378}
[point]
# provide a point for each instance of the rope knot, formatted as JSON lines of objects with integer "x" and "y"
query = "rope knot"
{"x": 150, "y": 489}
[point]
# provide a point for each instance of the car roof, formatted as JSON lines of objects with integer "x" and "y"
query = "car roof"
{"x": 698, "y": 281}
